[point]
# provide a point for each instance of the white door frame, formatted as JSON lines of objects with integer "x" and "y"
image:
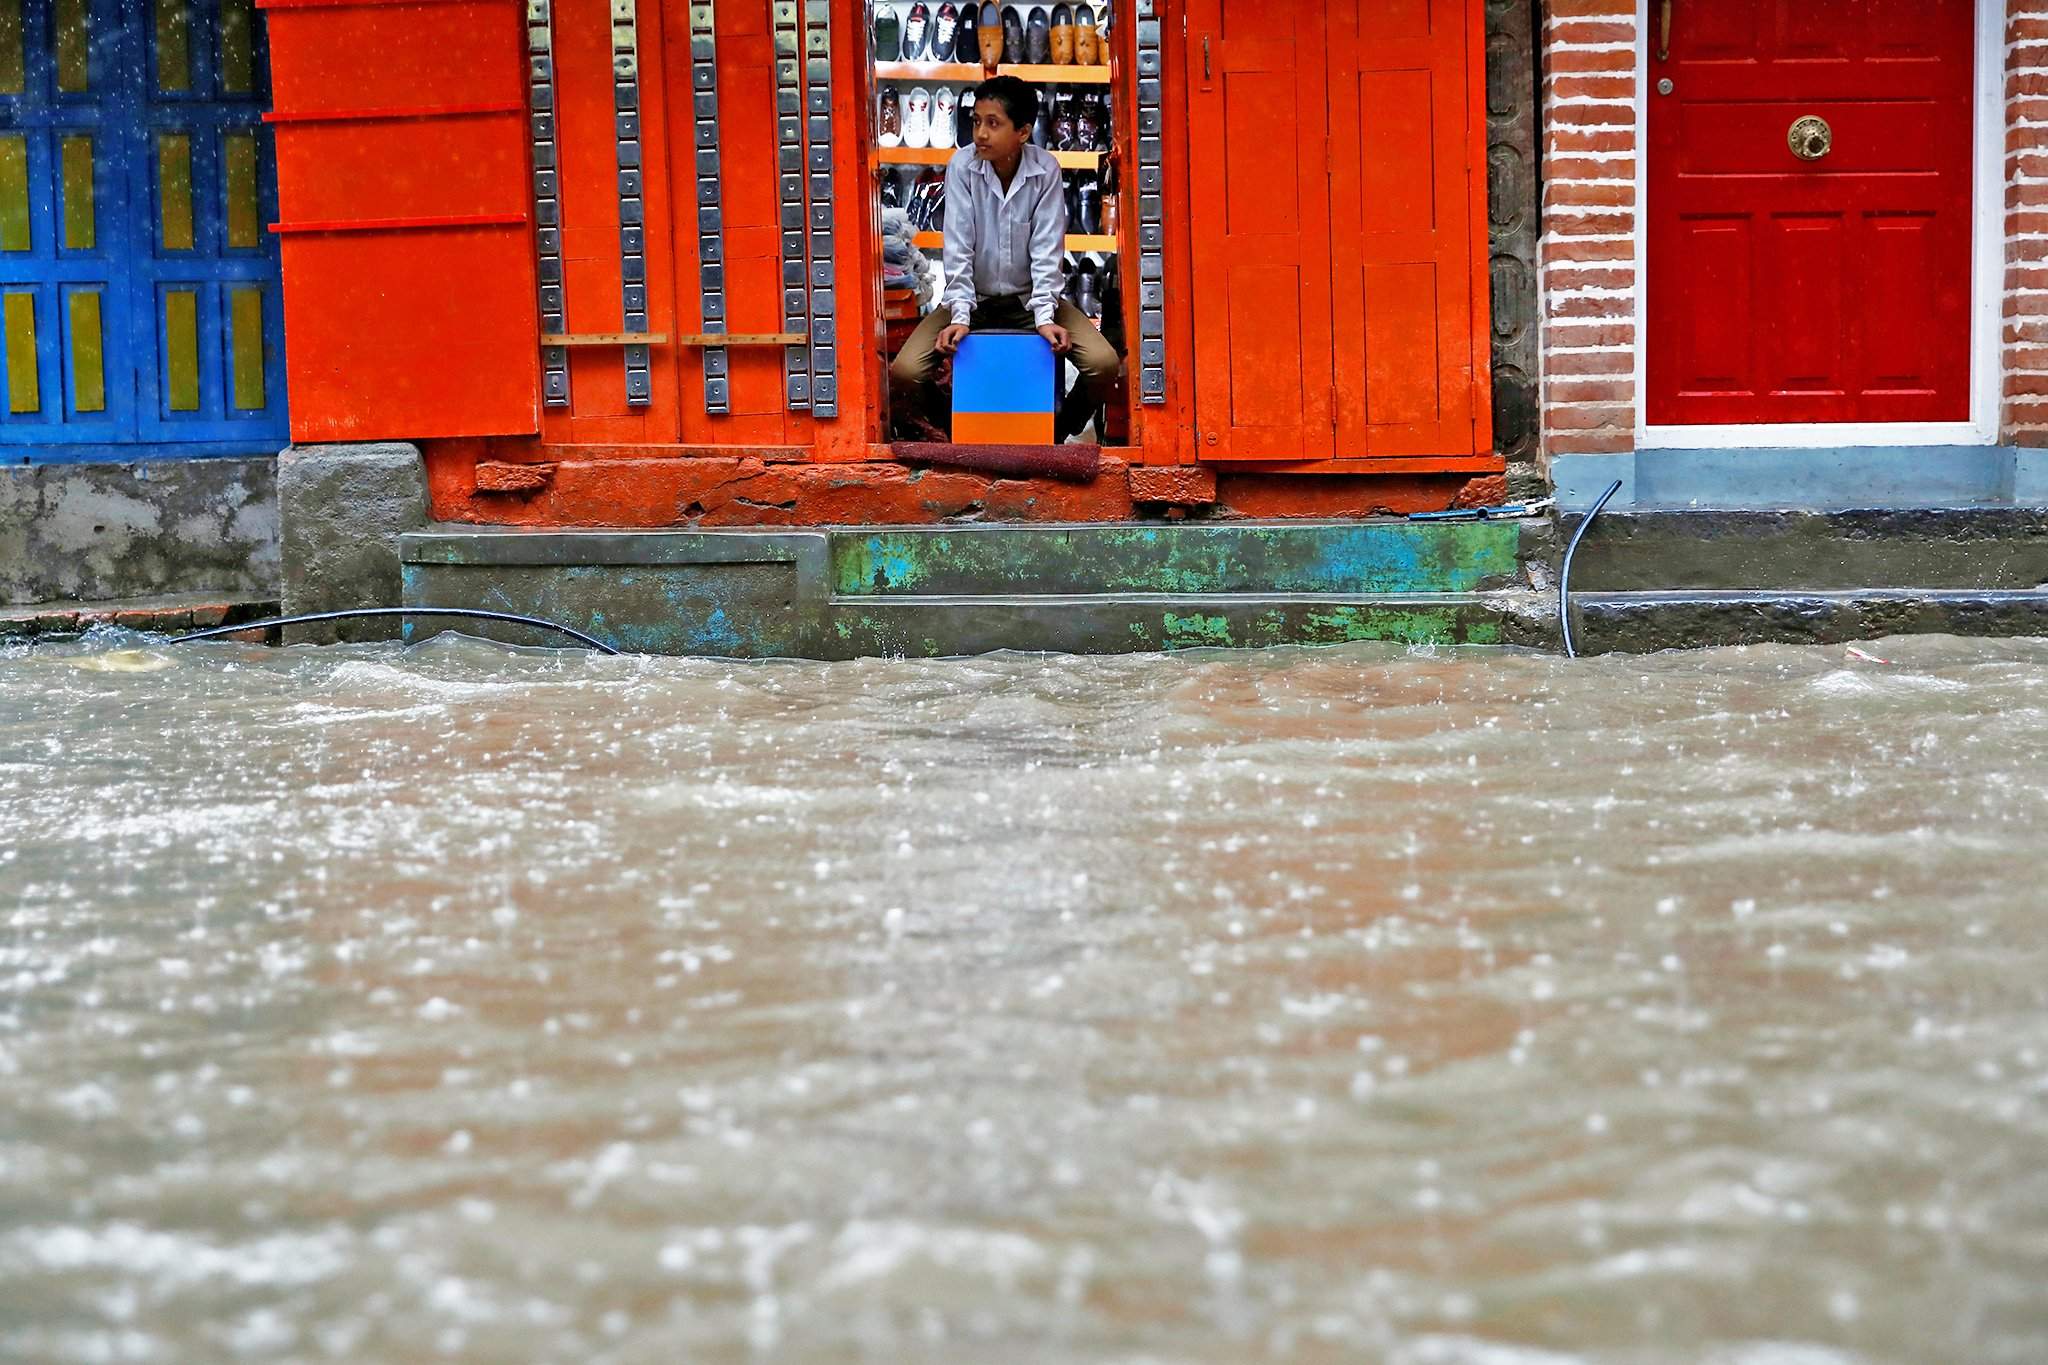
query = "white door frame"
{"x": 1987, "y": 252}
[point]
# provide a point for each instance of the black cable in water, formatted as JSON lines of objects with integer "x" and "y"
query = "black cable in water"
{"x": 1564, "y": 577}
{"x": 353, "y": 613}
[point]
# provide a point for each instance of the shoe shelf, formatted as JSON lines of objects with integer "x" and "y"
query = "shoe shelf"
{"x": 969, "y": 74}
{"x": 939, "y": 156}
{"x": 1076, "y": 241}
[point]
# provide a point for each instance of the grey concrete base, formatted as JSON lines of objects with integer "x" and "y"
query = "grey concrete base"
{"x": 91, "y": 532}
{"x": 1930, "y": 548}
{"x": 1825, "y": 479}
{"x": 1641, "y": 622}
{"x": 343, "y": 509}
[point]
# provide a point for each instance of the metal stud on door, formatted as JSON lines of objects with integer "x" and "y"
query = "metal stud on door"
{"x": 789, "y": 171}
{"x": 547, "y": 203}
{"x": 632, "y": 204}
{"x": 818, "y": 129}
{"x": 710, "y": 215}
{"x": 1151, "y": 214}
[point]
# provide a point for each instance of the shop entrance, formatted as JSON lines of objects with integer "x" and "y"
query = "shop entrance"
{"x": 138, "y": 286}
{"x": 1332, "y": 229}
{"x": 1810, "y": 212}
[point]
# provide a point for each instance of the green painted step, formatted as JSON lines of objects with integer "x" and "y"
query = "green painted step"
{"x": 1355, "y": 558}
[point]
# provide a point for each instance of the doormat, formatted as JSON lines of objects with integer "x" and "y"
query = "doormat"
{"x": 1072, "y": 464}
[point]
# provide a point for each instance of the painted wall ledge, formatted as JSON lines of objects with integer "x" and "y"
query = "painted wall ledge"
{"x": 1837, "y": 478}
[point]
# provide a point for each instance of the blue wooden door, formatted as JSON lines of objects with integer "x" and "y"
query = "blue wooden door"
{"x": 139, "y": 307}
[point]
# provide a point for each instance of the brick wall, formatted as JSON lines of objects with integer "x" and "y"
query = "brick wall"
{"x": 1588, "y": 248}
{"x": 2023, "y": 411}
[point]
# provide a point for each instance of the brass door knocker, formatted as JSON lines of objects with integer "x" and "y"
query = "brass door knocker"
{"x": 1810, "y": 138}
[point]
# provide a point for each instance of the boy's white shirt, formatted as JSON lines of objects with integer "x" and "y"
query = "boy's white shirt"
{"x": 1004, "y": 241}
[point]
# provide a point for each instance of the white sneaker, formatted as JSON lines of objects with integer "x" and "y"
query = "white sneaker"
{"x": 945, "y": 104}
{"x": 917, "y": 117}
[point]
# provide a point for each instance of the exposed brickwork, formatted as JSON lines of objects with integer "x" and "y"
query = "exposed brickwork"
{"x": 1587, "y": 256}
{"x": 1187, "y": 485}
{"x": 501, "y": 476}
{"x": 2023, "y": 405}
{"x": 159, "y": 615}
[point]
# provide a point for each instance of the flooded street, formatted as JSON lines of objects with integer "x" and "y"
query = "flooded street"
{"x": 1440, "y": 1008}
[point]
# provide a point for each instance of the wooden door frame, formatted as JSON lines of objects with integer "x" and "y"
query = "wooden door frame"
{"x": 1987, "y": 254}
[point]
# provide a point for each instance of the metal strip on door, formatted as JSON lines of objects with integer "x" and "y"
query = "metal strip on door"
{"x": 789, "y": 172}
{"x": 547, "y": 202}
{"x": 1151, "y": 213}
{"x": 710, "y": 213}
{"x": 818, "y": 132}
{"x": 632, "y": 206}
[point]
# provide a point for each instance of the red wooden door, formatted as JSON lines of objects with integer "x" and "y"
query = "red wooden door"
{"x": 1260, "y": 230}
{"x": 1828, "y": 290}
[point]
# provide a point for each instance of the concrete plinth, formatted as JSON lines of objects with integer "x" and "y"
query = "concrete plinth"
{"x": 343, "y": 509}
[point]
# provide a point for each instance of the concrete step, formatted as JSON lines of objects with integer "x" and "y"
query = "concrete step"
{"x": 1808, "y": 552}
{"x": 1640, "y": 622}
{"x": 969, "y": 590}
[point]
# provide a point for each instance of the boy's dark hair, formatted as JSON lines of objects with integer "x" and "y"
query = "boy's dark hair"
{"x": 1018, "y": 98}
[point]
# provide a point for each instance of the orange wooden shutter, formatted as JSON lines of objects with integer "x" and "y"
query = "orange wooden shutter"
{"x": 1259, "y": 229}
{"x": 1393, "y": 354}
{"x": 409, "y": 290}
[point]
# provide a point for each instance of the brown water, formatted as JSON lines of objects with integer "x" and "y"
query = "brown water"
{"x": 452, "y": 1002}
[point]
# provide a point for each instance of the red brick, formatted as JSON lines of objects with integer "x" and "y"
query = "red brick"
{"x": 1556, "y": 306}
{"x": 1598, "y": 87}
{"x": 1563, "y": 61}
{"x": 1590, "y": 224}
{"x": 1605, "y": 194}
{"x": 1589, "y": 442}
{"x": 1185, "y": 484}
{"x": 1563, "y": 35}
{"x": 1568, "y": 140}
{"x": 1590, "y": 362}
{"x": 1569, "y": 250}
{"x": 1590, "y": 391}
{"x": 1561, "y": 278}
{"x": 1592, "y": 417}
{"x": 1591, "y": 115}
{"x": 1565, "y": 336}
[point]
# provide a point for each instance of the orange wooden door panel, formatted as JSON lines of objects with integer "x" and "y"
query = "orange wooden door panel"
{"x": 1337, "y": 228}
{"x": 403, "y": 191}
{"x": 1259, "y": 225}
{"x": 1410, "y": 353}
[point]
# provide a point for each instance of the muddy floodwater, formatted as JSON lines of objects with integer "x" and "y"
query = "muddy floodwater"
{"x": 454, "y": 1002}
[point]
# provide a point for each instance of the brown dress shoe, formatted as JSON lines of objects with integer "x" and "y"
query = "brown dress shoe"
{"x": 990, "y": 25}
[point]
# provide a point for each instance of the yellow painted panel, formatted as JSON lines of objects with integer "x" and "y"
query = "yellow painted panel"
{"x": 14, "y": 193}
{"x": 13, "y": 74}
{"x": 173, "y": 46}
{"x": 181, "y": 349}
{"x": 18, "y": 316}
{"x": 174, "y": 190}
{"x": 237, "y": 47}
{"x": 245, "y": 217}
{"x": 245, "y": 308}
{"x": 73, "y": 25}
{"x": 88, "y": 353}
{"x": 78, "y": 209}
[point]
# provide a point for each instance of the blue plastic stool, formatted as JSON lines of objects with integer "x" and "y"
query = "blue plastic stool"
{"x": 1005, "y": 388}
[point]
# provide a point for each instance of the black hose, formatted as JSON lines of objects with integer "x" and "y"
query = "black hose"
{"x": 468, "y": 613}
{"x": 1564, "y": 577}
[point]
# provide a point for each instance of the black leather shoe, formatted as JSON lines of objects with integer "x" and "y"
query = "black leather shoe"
{"x": 1041, "y": 129}
{"x": 1038, "y": 38}
{"x": 944, "y": 27}
{"x": 1088, "y": 125}
{"x": 1073, "y": 188}
{"x": 1065, "y": 127}
{"x": 1013, "y": 34}
{"x": 967, "y": 40}
{"x": 1088, "y": 194}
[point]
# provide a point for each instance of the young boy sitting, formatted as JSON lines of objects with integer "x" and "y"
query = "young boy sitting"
{"x": 1004, "y": 258}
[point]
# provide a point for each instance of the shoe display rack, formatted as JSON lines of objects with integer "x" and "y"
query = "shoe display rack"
{"x": 928, "y": 58}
